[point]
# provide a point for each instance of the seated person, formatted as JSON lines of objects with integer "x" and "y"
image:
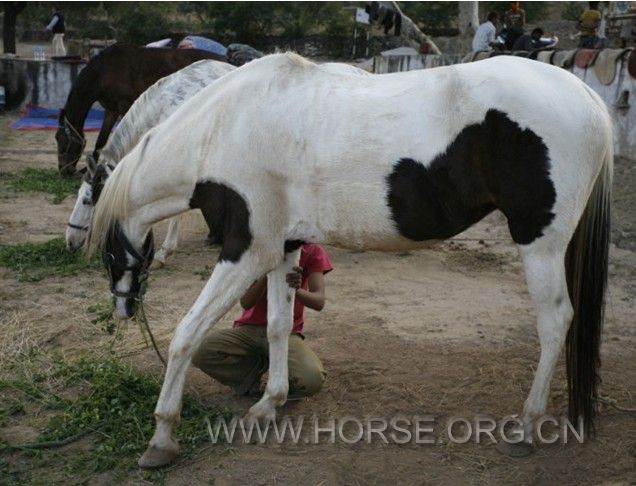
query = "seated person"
{"x": 532, "y": 42}
{"x": 238, "y": 357}
{"x": 486, "y": 33}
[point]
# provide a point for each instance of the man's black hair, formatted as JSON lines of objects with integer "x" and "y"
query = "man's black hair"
{"x": 492, "y": 16}
{"x": 537, "y": 30}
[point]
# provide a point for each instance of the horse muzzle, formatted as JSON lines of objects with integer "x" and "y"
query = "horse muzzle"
{"x": 67, "y": 162}
{"x": 124, "y": 308}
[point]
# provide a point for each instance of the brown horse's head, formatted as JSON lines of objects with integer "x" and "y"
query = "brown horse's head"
{"x": 70, "y": 145}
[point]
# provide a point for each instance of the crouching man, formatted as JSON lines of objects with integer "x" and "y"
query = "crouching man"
{"x": 238, "y": 357}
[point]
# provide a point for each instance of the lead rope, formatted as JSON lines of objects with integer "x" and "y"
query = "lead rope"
{"x": 142, "y": 320}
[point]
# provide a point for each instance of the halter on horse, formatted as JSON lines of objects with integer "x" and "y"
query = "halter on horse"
{"x": 387, "y": 162}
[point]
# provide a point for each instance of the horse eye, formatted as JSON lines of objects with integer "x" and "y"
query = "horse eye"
{"x": 109, "y": 258}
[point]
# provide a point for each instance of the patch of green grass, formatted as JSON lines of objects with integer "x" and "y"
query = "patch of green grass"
{"x": 34, "y": 261}
{"x": 111, "y": 401}
{"x": 205, "y": 273}
{"x": 42, "y": 180}
{"x": 103, "y": 311}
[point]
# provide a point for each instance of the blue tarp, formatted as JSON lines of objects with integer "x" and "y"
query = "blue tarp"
{"x": 38, "y": 118}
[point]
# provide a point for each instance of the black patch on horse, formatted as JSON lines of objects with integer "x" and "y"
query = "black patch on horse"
{"x": 230, "y": 212}
{"x": 491, "y": 165}
{"x": 293, "y": 245}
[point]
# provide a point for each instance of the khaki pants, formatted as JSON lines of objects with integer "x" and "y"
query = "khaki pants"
{"x": 58, "y": 45}
{"x": 238, "y": 358}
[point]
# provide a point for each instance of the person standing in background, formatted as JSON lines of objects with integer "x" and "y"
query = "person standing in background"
{"x": 514, "y": 22}
{"x": 589, "y": 22}
{"x": 56, "y": 25}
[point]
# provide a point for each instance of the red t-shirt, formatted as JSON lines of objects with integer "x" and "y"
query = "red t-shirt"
{"x": 313, "y": 258}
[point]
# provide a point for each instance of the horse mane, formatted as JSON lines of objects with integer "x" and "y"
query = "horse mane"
{"x": 112, "y": 204}
{"x": 158, "y": 101}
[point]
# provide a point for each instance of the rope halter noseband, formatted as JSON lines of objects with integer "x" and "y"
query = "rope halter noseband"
{"x": 73, "y": 136}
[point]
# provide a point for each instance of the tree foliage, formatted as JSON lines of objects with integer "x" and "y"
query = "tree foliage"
{"x": 535, "y": 11}
{"x": 142, "y": 22}
{"x": 432, "y": 17}
{"x": 572, "y": 10}
{"x": 248, "y": 19}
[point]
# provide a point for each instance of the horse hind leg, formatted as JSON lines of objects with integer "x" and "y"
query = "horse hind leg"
{"x": 228, "y": 282}
{"x": 546, "y": 278}
{"x": 169, "y": 245}
{"x": 280, "y": 315}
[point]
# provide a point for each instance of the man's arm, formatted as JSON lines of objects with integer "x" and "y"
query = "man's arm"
{"x": 52, "y": 23}
{"x": 314, "y": 296}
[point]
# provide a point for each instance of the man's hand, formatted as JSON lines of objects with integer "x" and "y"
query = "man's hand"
{"x": 295, "y": 279}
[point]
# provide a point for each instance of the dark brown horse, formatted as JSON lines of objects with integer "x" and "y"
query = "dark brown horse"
{"x": 115, "y": 78}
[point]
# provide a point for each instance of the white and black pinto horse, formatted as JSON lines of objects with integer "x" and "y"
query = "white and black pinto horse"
{"x": 154, "y": 106}
{"x": 290, "y": 151}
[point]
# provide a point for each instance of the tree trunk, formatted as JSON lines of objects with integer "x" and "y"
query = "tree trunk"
{"x": 11, "y": 11}
{"x": 412, "y": 34}
{"x": 468, "y": 18}
{"x": 468, "y": 22}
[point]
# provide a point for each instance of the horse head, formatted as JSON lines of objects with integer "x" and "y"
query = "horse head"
{"x": 70, "y": 145}
{"x": 127, "y": 268}
{"x": 87, "y": 195}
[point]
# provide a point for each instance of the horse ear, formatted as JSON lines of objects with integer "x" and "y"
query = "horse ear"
{"x": 91, "y": 163}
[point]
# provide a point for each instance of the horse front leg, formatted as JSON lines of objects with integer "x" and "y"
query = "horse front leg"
{"x": 107, "y": 126}
{"x": 169, "y": 245}
{"x": 226, "y": 284}
{"x": 280, "y": 316}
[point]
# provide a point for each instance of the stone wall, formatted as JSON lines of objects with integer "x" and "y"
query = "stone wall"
{"x": 42, "y": 83}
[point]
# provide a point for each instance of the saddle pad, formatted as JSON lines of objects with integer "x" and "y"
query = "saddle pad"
{"x": 606, "y": 62}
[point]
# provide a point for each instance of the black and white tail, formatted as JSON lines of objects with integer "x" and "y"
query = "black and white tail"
{"x": 586, "y": 269}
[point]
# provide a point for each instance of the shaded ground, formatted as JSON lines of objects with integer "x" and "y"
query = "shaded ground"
{"x": 447, "y": 332}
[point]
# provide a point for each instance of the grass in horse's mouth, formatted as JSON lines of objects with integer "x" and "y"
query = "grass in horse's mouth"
{"x": 97, "y": 398}
{"x": 33, "y": 262}
{"x": 42, "y": 180}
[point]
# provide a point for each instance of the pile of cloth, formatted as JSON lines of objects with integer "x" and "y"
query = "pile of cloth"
{"x": 239, "y": 54}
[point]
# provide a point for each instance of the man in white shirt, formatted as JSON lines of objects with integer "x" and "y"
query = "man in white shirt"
{"x": 486, "y": 33}
{"x": 56, "y": 25}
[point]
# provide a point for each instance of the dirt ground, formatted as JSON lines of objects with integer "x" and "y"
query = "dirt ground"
{"x": 446, "y": 332}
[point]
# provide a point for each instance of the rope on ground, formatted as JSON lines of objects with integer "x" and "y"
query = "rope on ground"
{"x": 51, "y": 444}
{"x": 141, "y": 318}
{"x": 614, "y": 403}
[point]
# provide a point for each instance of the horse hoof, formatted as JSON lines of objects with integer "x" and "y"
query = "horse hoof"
{"x": 260, "y": 412}
{"x": 519, "y": 449}
{"x": 155, "y": 457}
{"x": 157, "y": 264}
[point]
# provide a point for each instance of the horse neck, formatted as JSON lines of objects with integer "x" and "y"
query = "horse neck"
{"x": 80, "y": 99}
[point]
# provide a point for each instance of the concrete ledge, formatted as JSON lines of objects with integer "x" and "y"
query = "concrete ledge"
{"x": 42, "y": 83}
